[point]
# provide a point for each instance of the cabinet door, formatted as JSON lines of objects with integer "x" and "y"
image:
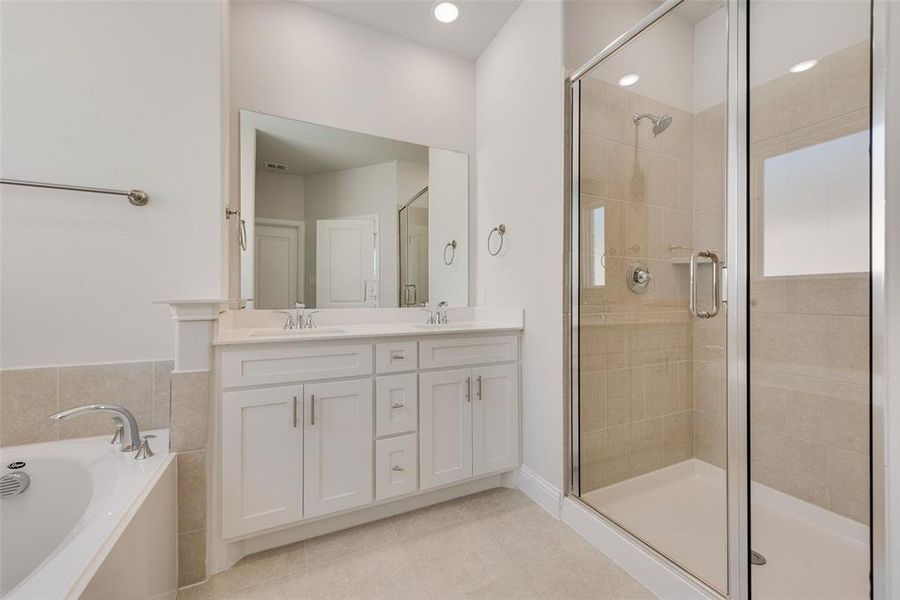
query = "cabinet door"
{"x": 496, "y": 418}
{"x": 262, "y": 459}
{"x": 338, "y": 446}
{"x": 445, "y": 427}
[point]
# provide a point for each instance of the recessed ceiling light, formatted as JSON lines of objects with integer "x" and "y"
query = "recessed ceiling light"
{"x": 630, "y": 79}
{"x": 445, "y": 12}
{"x": 805, "y": 65}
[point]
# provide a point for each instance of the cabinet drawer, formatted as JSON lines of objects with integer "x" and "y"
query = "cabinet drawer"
{"x": 295, "y": 363}
{"x": 461, "y": 351}
{"x": 395, "y": 357}
{"x": 396, "y": 404}
{"x": 396, "y": 466}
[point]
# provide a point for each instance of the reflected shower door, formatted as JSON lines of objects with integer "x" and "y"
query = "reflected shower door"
{"x": 809, "y": 243}
{"x": 414, "y": 251}
{"x": 649, "y": 150}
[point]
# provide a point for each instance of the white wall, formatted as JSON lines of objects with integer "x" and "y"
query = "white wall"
{"x": 519, "y": 125}
{"x": 366, "y": 81}
{"x": 448, "y": 219}
{"x": 411, "y": 178}
{"x": 120, "y": 95}
{"x": 360, "y": 192}
{"x": 279, "y": 196}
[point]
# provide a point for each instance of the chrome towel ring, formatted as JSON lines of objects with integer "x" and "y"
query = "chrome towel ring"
{"x": 501, "y": 231}
{"x": 451, "y": 245}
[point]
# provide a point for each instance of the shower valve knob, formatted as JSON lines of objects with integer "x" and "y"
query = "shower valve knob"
{"x": 638, "y": 278}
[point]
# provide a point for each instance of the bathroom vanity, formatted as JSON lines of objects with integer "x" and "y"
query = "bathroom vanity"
{"x": 323, "y": 421}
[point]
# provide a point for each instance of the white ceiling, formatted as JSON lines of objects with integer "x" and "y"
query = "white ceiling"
{"x": 307, "y": 148}
{"x": 478, "y": 22}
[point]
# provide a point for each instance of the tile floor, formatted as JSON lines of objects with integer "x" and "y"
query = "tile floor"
{"x": 496, "y": 544}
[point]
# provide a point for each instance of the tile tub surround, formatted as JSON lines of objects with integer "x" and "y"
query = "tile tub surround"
{"x": 496, "y": 544}
{"x": 29, "y": 396}
{"x": 191, "y": 440}
{"x": 151, "y": 391}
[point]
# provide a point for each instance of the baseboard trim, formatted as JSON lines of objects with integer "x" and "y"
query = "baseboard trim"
{"x": 544, "y": 493}
{"x": 653, "y": 572}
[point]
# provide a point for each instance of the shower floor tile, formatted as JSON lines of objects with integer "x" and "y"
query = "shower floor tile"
{"x": 681, "y": 511}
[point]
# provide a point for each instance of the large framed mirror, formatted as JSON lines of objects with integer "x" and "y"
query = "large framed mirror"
{"x": 333, "y": 218}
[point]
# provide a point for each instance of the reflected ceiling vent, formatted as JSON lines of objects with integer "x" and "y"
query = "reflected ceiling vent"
{"x": 275, "y": 166}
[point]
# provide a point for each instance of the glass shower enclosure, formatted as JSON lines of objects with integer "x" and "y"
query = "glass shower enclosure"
{"x": 413, "y": 245}
{"x": 720, "y": 283}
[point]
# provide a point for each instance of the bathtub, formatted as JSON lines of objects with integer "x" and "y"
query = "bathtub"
{"x": 83, "y": 497}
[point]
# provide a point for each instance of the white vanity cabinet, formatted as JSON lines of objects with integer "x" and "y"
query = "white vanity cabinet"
{"x": 337, "y": 446}
{"x": 262, "y": 458}
{"x": 314, "y": 428}
{"x": 469, "y": 423}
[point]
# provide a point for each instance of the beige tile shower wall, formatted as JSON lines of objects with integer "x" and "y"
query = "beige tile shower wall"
{"x": 810, "y": 334}
{"x": 635, "y": 349}
{"x": 29, "y": 396}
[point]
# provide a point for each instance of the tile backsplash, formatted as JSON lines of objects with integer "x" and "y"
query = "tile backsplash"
{"x": 29, "y": 396}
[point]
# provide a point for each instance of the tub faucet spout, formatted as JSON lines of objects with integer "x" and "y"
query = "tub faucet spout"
{"x": 132, "y": 433}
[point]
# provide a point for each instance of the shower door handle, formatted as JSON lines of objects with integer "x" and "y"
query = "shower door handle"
{"x": 716, "y": 284}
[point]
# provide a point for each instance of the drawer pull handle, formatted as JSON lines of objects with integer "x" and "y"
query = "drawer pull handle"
{"x": 397, "y": 356}
{"x": 396, "y": 468}
{"x": 397, "y": 405}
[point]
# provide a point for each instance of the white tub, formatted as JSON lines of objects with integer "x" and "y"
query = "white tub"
{"x": 83, "y": 495}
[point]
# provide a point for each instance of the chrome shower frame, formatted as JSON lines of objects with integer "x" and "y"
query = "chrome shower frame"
{"x": 737, "y": 293}
{"x": 885, "y": 276}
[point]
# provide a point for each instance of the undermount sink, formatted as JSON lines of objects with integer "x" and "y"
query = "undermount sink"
{"x": 297, "y": 332}
{"x": 453, "y": 325}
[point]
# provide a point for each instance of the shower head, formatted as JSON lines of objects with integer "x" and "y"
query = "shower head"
{"x": 660, "y": 122}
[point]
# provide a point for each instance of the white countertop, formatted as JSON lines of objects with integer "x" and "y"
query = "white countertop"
{"x": 259, "y": 327}
{"x": 340, "y": 332}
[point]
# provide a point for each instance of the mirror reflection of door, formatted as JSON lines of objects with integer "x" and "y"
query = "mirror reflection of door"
{"x": 279, "y": 263}
{"x": 346, "y": 263}
{"x": 414, "y": 251}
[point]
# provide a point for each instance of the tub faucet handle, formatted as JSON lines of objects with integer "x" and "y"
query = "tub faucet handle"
{"x": 119, "y": 436}
{"x": 144, "y": 450}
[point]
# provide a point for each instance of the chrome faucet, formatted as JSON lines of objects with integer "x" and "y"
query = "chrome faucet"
{"x": 294, "y": 319}
{"x": 308, "y": 322}
{"x": 123, "y": 417}
{"x": 442, "y": 313}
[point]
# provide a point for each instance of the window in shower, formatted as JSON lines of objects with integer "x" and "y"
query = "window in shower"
{"x": 816, "y": 208}
{"x": 598, "y": 247}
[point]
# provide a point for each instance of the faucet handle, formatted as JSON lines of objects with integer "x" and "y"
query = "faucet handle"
{"x": 119, "y": 436}
{"x": 289, "y": 322}
{"x": 144, "y": 450}
{"x": 309, "y": 323}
